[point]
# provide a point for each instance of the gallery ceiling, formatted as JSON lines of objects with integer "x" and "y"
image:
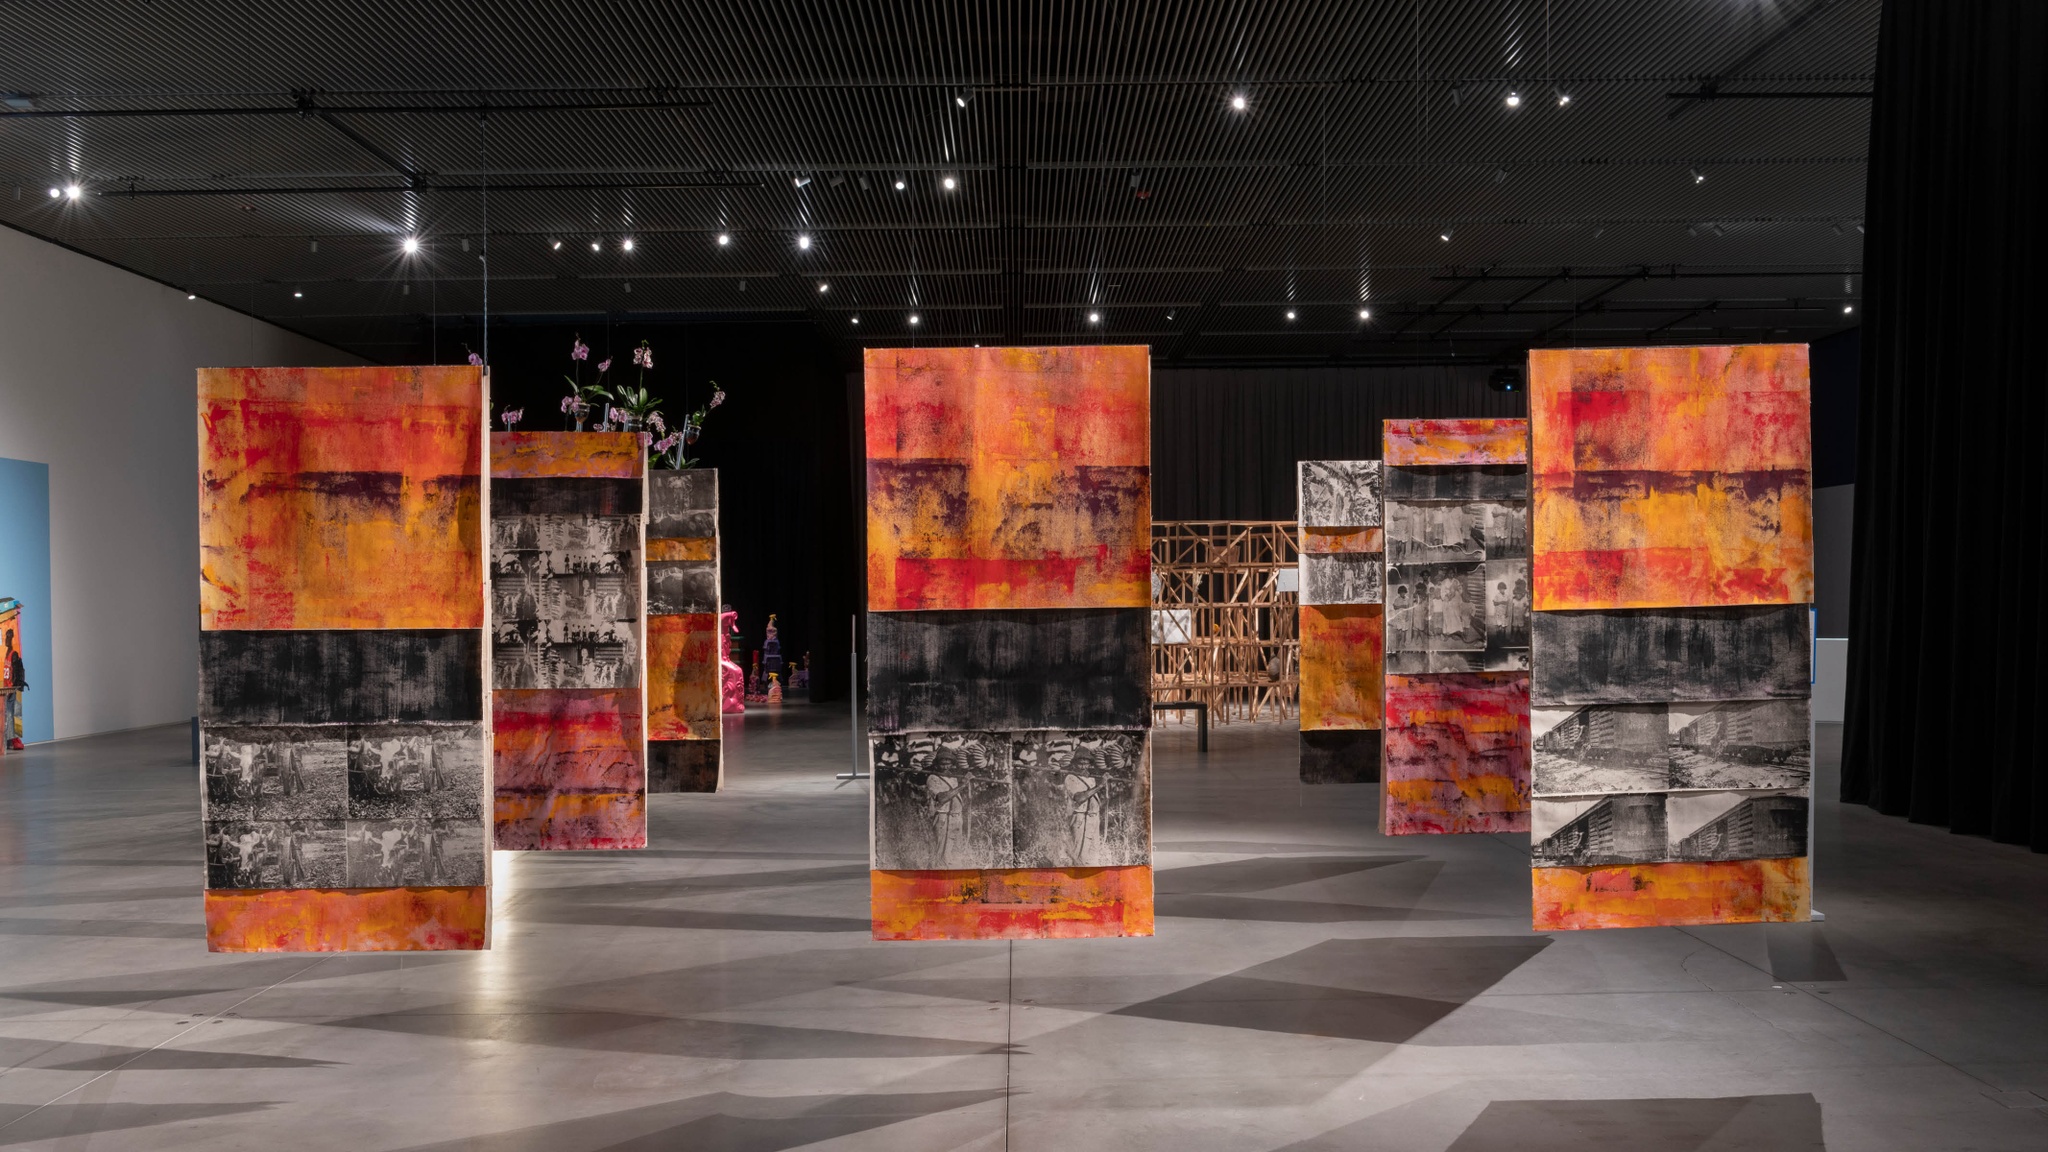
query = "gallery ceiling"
{"x": 1227, "y": 182}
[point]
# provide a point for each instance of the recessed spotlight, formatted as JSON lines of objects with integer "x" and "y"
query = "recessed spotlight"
{"x": 899, "y": 185}
{"x": 1444, "y": 235}
{"x": 192, "y": 296}
{"x": 412, "y": 244}
{"x": 724, "y": 239}
{"x": 824, "y": 287}
{"x": 913, "y": 317}
{"x": 1238, "y": 103}
{"x": 1290, "y": 313}
{"x": 596, "y": 247}
{"x": 949, "y": 183}
{"x": 1514, "y": 100}
{"x": 1095, "y": 317}
{"x": 804, "y": 242}
{"x": 1365, "y": 313}
{"x": 627, "y": 243}
{"x": 73, "y": 191}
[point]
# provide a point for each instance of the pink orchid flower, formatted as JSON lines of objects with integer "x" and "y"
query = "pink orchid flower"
{"x": 475, "y": 360}
{"x": 580, "y": 351}
{"x": 513, "y": 416}
{"x": 657, "y": 422}
{"x": 566, "y": 401}
{"x": 604, "y": 365}
{"x": 717, "y": 398}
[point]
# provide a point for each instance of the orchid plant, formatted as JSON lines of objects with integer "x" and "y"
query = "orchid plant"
{"x": 638, "y": 404}
{"x": 581, "y": 394}
{"x": 512, "y": 416}
{"x": 668, "y": 451}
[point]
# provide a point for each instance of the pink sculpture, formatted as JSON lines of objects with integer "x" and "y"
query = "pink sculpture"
{"x": 732, "y": 679}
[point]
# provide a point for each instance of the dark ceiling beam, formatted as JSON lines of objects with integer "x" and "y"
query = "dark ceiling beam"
{"x": 1709, "y": 87}
{"x": 1717, "y": 94}
{"x": 414, "y": 177}
{"x": 513, "y": 109}
{"x": 668, "y": 184}
{"x": 1588, "y": 304}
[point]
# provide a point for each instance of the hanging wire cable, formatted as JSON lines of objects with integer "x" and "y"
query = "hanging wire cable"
{"x": 483, "y": 131}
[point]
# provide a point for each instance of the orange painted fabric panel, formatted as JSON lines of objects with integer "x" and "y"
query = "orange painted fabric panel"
{"x": 583, "y": 455}
{"x": 567, "y": 740}
{"x": 1420, "y": 443}
{"x": 683, "y": 548}
{"x": 1009, "y": 477}
{"x": 347, "y": 919}
{"x": 1332, "y": 541}
{"x": 540, "y": 821}
{"x": 1342, "y": 650}
{"x": 1457, "y": 754}
{"x": 683, "y": 677}
{"x": 1671, "y": 477}
{"x": 1012, "y": 904}
{"x": 340, "y": 497}
{"x": 1652, "y": 895}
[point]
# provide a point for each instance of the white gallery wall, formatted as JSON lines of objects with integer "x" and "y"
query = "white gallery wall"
{"x": 97, "y": 381}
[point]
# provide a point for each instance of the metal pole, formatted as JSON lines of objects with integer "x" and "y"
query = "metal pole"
{"x": 853, "y": 696}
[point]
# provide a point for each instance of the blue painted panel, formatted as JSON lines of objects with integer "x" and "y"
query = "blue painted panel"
{"x": 25, "y": 575}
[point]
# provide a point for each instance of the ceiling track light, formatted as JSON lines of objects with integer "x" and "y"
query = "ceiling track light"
{"x": 1444, "y": 235}
{"x": 1717, "y": 230}
{"x": 627, "y": 243}
{"x": 856, "y": 319}
{"x": 1365, "y": 313}
{"x": 962, "y": 98}
{"x": 836, "y": 180}
{"x": 949, "y": 183}
{"x": 913, "y": 317}
{"x": 1600, "y": 231}
{"x": 824, "y": 288}
{"x": 1095, "y": 317}
{"x": 73, "y": 191}
{"x": 803, "y": 242}
{"x": 863, "y": 181}
{"x": 594, "y": 246}
{"x": 1848, "y": 308}
{"x": 1290, "y": 314}
{"x": 900, "y": 184}
{"x": 56, "y": 192}
{"x": 1238, "y": 102}
{"x": 724, "y": 239}
{"x": 1500, "y": 175}
{"x": 297, "y": 295}
{"x": 1514, "y": 99}
{"x": 1698, "y": 177}
{"x": 555, "y": 245}
{"x": 412, "y": 244}
{"x": 801, "y": 181}
{"x": 1564, "y": 99}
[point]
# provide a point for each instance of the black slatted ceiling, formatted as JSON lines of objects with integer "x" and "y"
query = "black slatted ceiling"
{"x": 1099, "y": 167}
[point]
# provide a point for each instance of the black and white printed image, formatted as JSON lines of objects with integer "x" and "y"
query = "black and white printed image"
{"x": 1340, "y": 578}
{"x": 1437, "y": 608}
{"x": 942, "y": 800}
{"x": 1081, "y": 799}
{"x": 549, "y": 654}
{"x": 1752, "y": 744}
{"x": 1456, "y": 533}
{"x": 1600, "y": 748}
{"x": 1670, "y": 747}
{"x": 1656, "y": 827}
{"x": 415, "y": 771}
{"x": 1507, "y": 613}
{"x": 676, "y": 587}
{"x": 565, "y": 569}
{"x": 1338, "y": 493}
{"x": 1459, "y": 482}
{"x": 415, "y": 853}
{"x": 275, "y": 854}
{"x": 275, "y": 772}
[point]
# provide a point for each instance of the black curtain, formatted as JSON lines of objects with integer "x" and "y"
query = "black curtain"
{"x": 1945, "y": 631}
{"x": 1225, "y": 440}
{"x": 779, "y": 443}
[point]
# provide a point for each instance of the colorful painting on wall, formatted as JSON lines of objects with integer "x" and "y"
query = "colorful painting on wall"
{"x": 345, "y": 780}
{"x": 1009, "y": 478}
{"x": 1672, "y": 559}
{"x": 1342, "y": 621}
{"x": 1009, "y": 568}
{"x": 684, "y": 646}
{"x": 568, "y": 692}
{"x": 1457, "y": 644}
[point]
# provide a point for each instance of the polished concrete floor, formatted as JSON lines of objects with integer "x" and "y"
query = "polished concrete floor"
{"x": 1313, "y": 986}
